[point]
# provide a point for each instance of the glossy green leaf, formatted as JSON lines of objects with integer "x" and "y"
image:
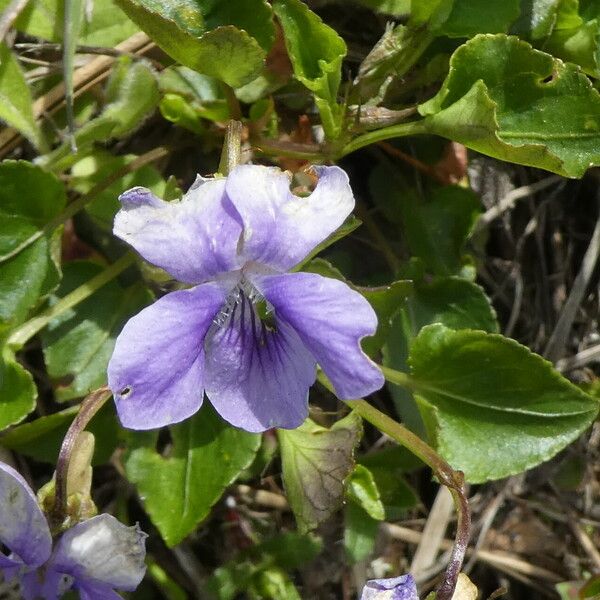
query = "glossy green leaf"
{"x": 179, "y": 489}
{"x": 493, "y": 407}
{"x": 537, "y": 19}
{"x": 29, "y": 199}
{"x": 41, "y": 439}
{"x": 179, "y": 111}
{"x": 78, "y": 344}
{"x": 16, "y": 105}
{"x": 362, "y": 489}
{"x": 318, "y": 64}
{"x": 507, "y": 100}
{"x": 360, "y": 532}
{"x": 17, "y": 390}
{"x": 224, "y": 40}
{"x": 131, "y": 96}
{"x": 452, "y": 301}
{"x": 315, "y": 464}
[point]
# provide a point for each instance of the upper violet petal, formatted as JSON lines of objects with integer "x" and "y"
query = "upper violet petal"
{"x": 101, "y": 552}
{"x": 257, "y": 375}
{"x": 280, "y": 229}
{"x": 330, "y": 319}
{"x": 23, "y": 526}
{"x": 156, "y": 370}
{"x": 396, "y": 588}
{"x": 193, "y": 240}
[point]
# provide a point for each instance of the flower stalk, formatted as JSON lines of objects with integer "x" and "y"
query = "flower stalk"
{"x": 231, "y": 155}
{"x": 452, "y": 479}
{"x": 92, "y": 403}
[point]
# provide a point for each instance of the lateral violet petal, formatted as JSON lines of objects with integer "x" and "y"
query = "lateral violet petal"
{"x": 330, "y": 319}
{"x": 396, "y": 588}
{"x": 101, "y": 553}
{"x": 23, "y": 527}
{"x": 257, "y": 375}
{"x": 280, "y": 228}
{"x": 156, "y": 370}
{"x": 193, "y": 240}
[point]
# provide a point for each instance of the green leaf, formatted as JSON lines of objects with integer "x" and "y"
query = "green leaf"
{"x": 316, "y": 52}
{"x": 179, "y": 111}
{"x": 41, "y": 439}
{"x": 362, "y": 489}
{"x": 492, "y": 406}
{"x": 29, "y": 199}
{"x": 580, "y": 45}
{"x": 178, "y": 490}
{"x": 131, "y": 94}
{"x": 360, "y": 532}
{"x": 17, "y": 390}
{"x": 507, "y": 100}
{"x": 224, "y": 40}
{"x": 315, "y": 464}
{"x": 537, "y": 19}
{"x": 16, "y": 107}
{"x": 452, "y": 301}
{"x": 253, "y": 16}
{"x": 78, "y": 344}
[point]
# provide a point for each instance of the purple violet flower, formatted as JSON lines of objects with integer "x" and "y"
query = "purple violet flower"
{"x": 397, "y": 588}
{"x": 248, "y": 334}
{"x": 95, "y": 557}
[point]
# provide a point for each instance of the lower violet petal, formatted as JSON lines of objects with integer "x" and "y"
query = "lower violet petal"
{"x": 101, "y": 553}
{"x": 156, "y": 370}
{"x": 258, "y": 372}
{"x": 330, "y": 319}
{"x": 23, "y": 527}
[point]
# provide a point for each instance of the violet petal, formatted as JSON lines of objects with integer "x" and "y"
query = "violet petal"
{"x": 23, "y": 527}
{"x": 193, "y": 240}
{"x": 257, "y": 375}
{"x": 101, "y": 552}
{"x": 280, "y": 229}
{"x": 396, "y": 588}
{"x": 156, "y": 370}
{"x": 330, "y": 319}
